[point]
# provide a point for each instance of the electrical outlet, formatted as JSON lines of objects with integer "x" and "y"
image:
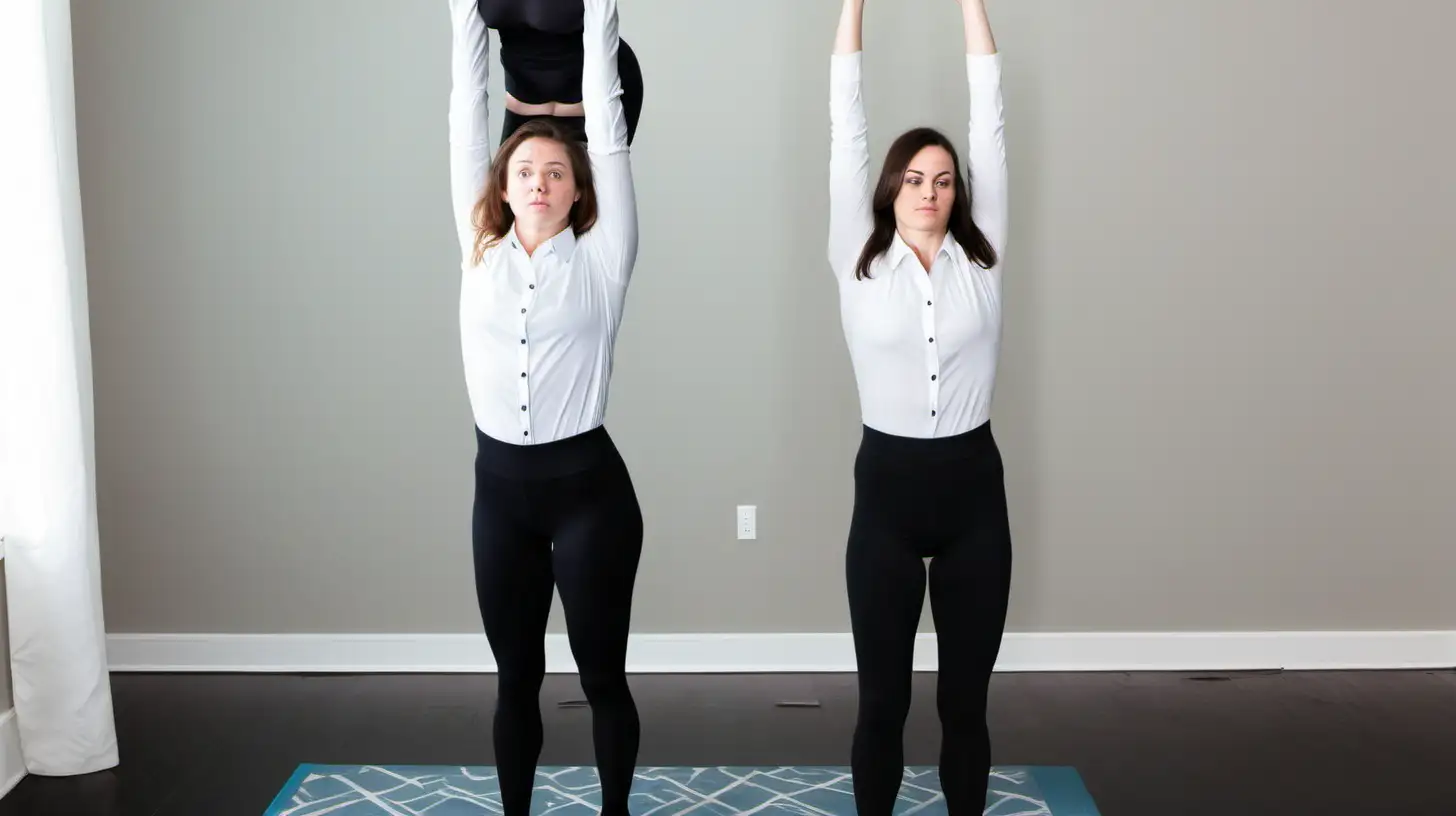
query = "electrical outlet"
{"x": 747, "y": 521}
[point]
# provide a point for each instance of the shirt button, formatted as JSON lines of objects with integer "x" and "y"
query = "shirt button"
{"x": 932, "y": 377}
{"x": 523, "y": 407}
{"x": 523, "y": 341}
{"x": 932, "y": 413}
{"x": 932, "y": 339}
{"x": 523, "y": 374}
{"x": 533, "y": 286}
{"x": 523, "y": 311}
{"x": 927, "y": 303}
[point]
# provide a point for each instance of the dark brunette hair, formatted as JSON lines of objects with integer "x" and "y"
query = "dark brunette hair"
{"x": 492, "y": 216}
{"x": 966, "y": 233}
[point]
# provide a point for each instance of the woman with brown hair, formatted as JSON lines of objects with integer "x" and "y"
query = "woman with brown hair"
{"x": 917, "y": 258}
{"x": 548, "y": 238}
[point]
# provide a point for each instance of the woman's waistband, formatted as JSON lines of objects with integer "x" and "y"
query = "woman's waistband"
{"x": 546, "y": 460}
{"x": 973, "y": 444}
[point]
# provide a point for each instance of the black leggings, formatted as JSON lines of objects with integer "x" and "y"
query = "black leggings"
{"x": 942, "y": 499}
{"x": 560, "y": 514}
{"x": 631, "y": 74}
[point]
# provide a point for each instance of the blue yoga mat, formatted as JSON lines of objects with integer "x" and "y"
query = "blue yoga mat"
{"x": 411, "y": 790}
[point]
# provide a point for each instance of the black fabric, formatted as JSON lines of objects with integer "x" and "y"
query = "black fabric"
{"x": 563, "y": 515}
{"x": 575, "y": 125}
{"x": 555, "y": 17}
{"x": 942, "y": 499}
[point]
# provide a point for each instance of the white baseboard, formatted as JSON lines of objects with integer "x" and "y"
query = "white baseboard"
{"x": 12, "y": 763}
{"x": 807, "y": 652}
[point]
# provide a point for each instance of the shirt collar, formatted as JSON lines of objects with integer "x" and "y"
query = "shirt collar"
{"x": 899, "y": 249}
{"x": 562, "y": 244}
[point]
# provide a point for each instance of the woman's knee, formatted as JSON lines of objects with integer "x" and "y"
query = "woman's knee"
{"x": 884, "y": 708}
{"x": 605, "y": 687}
{"x": 519, "y": 686}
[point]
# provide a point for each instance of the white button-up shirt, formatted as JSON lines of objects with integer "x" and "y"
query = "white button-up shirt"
{"x": 923, "y": 347}
{"x": 538, "y": 331}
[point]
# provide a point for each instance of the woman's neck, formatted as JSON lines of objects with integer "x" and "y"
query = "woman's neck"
{"x": 532, "y": 237}
{"x": 925, "y": 244}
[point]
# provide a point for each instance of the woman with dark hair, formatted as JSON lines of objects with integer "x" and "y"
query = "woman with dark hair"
{"x": 548, "y": 240}
{"x": 541, "y": 54}
{"x": 917, "y": 258}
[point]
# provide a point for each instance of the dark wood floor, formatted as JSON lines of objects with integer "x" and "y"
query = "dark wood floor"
{"x": 1292, "y": 744}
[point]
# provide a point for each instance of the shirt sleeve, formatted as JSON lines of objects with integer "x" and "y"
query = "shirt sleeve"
{"x": 987, "y": 149}
{"x": 850, "y": 215}
{"x": 468, "y": 120}
{"x": 612, "y": 241}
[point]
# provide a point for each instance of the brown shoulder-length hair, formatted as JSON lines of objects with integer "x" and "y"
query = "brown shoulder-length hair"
{"x": 492, "y": 215}
{"x": 965, "y": 231}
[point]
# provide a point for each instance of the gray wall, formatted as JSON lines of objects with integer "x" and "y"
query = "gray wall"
{"x": 1227, "y": 378}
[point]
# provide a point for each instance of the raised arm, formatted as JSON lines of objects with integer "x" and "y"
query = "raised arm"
{"x": 613, "y": 240}
{"x": 469, "y": 143}
{"x": 987, "y": 154}
{"x": 850, "y": 216}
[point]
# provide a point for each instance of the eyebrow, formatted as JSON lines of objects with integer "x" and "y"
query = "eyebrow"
{"x": 921, "y": 173}
{"x": 548, "y": 164}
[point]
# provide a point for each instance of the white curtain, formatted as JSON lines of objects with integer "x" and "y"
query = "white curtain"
{"x": 47, "y": 489}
